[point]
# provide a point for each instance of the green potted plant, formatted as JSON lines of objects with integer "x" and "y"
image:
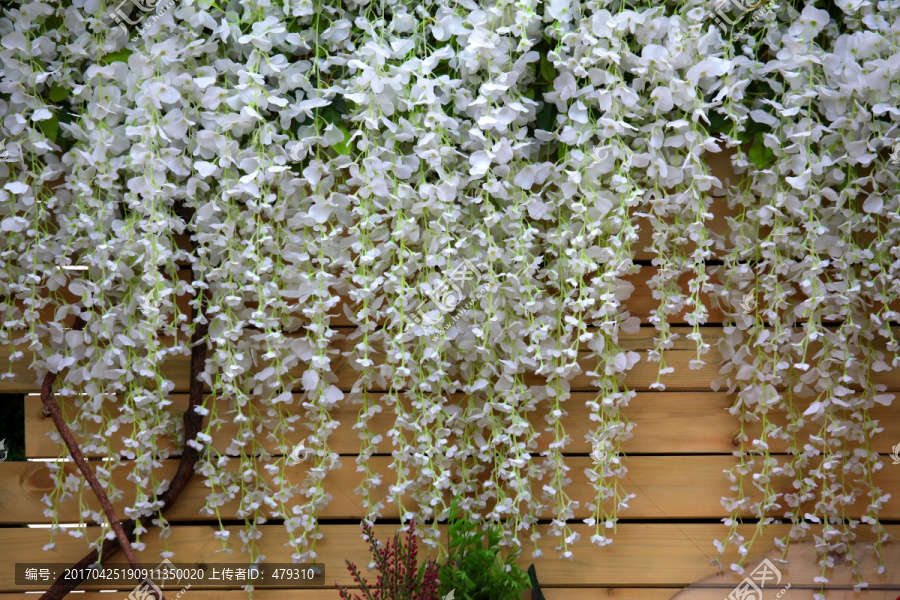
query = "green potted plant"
{"x": 475, "y": 567}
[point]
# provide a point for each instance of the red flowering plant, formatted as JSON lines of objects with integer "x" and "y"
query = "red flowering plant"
{"x": 400, "y": 577}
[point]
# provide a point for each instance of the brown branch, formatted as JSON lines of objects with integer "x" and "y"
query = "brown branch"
{"x": 52, "y": 408}
{"x": 189, "y": 455}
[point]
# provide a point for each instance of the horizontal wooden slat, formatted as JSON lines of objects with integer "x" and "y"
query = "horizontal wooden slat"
{"x": 597, "y": 593}
{"x": 794, "y": 593}
{"x": 664, "y": 555}
{"x": 661, "y": 422}
{"x": 640, "y": 377}
{"x": 667, "y": 487}
{"x": 332, "y": 594}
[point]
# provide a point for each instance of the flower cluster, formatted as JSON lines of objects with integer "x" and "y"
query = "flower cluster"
{"x": 813, "y": 243}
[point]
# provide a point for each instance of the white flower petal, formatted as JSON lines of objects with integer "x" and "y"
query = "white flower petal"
{"x": 320, "y": 212}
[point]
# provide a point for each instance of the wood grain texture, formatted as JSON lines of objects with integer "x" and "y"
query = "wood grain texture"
{"x": 666, "y": 487}
{"x": 663, "y": 555}
{"x": 665, "y": 423}
{"x": 332, "y": 594}
{"x": 578, "y": 593}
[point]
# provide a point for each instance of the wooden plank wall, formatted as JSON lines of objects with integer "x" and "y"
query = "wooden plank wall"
{"x": 682, "y": 444}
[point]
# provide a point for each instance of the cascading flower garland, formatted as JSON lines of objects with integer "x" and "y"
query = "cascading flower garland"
{"x": 812, "y": 253}
{"x": 295, "y": 160}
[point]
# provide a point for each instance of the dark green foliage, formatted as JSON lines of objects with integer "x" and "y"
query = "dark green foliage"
{"x": 475, "y": 569}
{"x": 117, "y": 56}
{"x": 759, "y": 154}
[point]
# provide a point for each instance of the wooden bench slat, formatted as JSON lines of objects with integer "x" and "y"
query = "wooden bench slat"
{"x": 551, "y": 593}
{"x": 666, "y": 423}
{"x": 664, "y": 555}
{"x": 332, "y": 594}
{"x": 667, "y": 487}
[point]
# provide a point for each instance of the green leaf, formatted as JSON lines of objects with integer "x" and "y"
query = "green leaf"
{"x": 117, "y": 56}
{"x": 50, "y": 128}
{"x": 57, "y": 92}
{"x": 212, "y": 4}
{"x": 718, "y": 123}
{"x": 52, "y": 23}
{"x": 475, "y": 568}
{"x": 343, "y": 147}
{"x": 334, "y": 112}
{"x": 759, "y": 154}
{"x": 546, "y": 117}
{"x": 548, "y": 72}
{"x": 321, "y": 23}
{"x": 751, "y": 128}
